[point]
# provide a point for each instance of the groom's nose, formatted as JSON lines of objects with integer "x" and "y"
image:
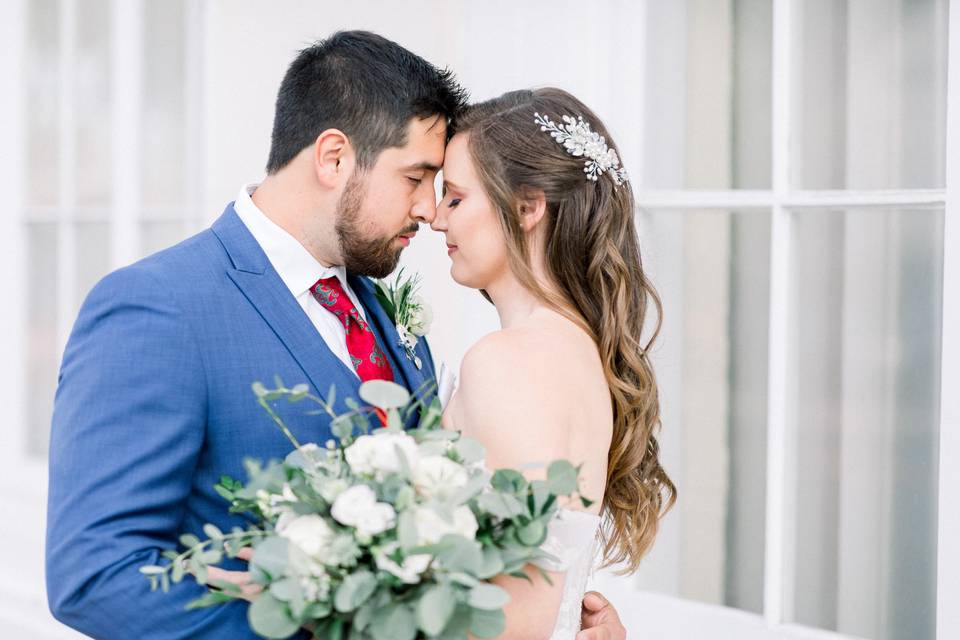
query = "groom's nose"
{"x": 424, "y": 209}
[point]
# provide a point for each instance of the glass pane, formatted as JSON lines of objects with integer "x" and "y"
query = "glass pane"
{"x": 163, "y": 148}
{"x": 93, "y": 257}
{"x": 160, "y": 234}
{"x": 865, "y": 370}
{"x": 708, "y": 79}
{"x": 42, "y": 357}
{"x": 711, "y": 268}
{"x": 871, "y": 94}
{"x": 42, "y": 99}
{"x": 91, "y": 77}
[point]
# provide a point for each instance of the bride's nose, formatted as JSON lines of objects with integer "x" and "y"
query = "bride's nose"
{"x": 439, "y": 222}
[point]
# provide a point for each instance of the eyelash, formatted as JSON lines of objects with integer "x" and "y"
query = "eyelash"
{"x": 454, "y": 203}
{"x": 415, "y": 181}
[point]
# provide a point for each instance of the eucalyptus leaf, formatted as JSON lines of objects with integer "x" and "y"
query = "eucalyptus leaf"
{"x": 509, "y": 481}
{"x": 532, "y": 534}
{"x": 384, "y": 394}
{"x": 562, "y": 477}
{"x": 285, "y": 589}
{"x": 393, "y": 622}
{"x": 271, "y": 557}
{"x": 487, "y": 624}
{"x": 354, "y": 591}
{"x": 268, "y": 617}
{"x": 435, "y": 609}
{"x": 502, "y": 505}
{"x": 488, "y": 597}
{"x": 213, "y": 531}
{"x": 492, "y": 563}
{"x": 460, "y": 554}
{"x": 189, "y": 540}
{"x": 210, "y": 599}
{"x": 470, "y": 450}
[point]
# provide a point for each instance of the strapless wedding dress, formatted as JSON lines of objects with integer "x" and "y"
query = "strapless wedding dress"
{"x": 572, "y": 538}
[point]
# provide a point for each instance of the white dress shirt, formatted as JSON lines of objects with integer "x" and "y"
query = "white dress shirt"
{"x": 299, "y": 270}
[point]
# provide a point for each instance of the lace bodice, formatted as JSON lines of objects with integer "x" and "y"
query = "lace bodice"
{"x": 572, "y": 538}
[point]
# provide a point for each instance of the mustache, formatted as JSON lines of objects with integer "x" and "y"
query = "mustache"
{"x": 414, "y": 228}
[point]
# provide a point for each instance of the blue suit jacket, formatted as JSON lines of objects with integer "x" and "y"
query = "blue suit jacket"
{"x": 154, "y": 404}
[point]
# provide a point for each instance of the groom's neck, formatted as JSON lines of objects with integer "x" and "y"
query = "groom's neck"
{"x": 292, "y": 206}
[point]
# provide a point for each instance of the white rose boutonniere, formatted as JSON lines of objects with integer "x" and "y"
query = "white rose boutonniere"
{"x": 409, "y": 311}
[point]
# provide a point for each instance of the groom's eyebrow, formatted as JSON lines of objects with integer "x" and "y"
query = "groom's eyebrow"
{"x": 423, "y": 166}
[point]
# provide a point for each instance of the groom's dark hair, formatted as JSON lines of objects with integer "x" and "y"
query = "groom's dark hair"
{"x": 366, "y": 86}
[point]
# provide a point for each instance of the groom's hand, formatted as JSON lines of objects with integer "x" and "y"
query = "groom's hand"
{"x": 600, "y": 620}
{"x": 249, "y": 590}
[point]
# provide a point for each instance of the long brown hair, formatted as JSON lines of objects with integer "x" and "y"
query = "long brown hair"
{"x": 593, "y": 260}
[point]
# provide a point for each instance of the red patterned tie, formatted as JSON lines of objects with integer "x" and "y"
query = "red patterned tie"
{"x": 368, "y": 359}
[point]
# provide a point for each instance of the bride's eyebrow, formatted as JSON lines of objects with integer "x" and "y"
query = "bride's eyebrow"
{"x": 453, "y": 185}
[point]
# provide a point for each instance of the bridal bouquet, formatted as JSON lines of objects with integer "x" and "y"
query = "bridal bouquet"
{"x": 385, "y": 535}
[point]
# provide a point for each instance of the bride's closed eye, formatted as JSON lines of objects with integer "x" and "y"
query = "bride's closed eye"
{"x": 454, "y": 202}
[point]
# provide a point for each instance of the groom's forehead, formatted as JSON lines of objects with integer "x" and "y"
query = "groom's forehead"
{"x": 426, "y": 141}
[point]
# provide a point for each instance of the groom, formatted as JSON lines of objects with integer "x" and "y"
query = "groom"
{"x": 154, "y": 401}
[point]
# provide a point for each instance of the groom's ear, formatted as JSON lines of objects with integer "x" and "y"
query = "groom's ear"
{"x": 532, "y": 207}
{"x": 332, "y": 157}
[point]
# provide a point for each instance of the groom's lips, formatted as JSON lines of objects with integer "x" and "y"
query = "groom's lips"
{"x": 405, "y": 238}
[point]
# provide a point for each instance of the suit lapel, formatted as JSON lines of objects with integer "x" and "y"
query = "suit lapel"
{"x": 261, "y": 285}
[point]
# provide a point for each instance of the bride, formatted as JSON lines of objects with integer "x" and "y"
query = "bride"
{"x": 538, "y": 215}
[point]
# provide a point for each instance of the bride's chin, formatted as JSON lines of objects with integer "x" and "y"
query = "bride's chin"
{"x": 463, "y": 279}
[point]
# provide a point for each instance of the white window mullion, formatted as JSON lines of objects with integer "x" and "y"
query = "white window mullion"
{"x": 778, "y": 559}
{"x": 194, "y": 27}
{"x": 738, "y": 200}
{"x": 67, "y": 202}
{"x": 948, "y": 516}
{"x": 126, "y": 54}
{"x": 13, "y": 320}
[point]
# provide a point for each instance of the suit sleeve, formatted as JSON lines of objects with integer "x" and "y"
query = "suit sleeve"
{"x": 128, "y": 428}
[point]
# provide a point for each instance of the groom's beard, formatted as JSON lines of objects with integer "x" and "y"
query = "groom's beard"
{"x": 374, "y": 257}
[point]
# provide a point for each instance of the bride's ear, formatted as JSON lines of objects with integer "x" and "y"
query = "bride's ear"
{"x": 533, "y": 208}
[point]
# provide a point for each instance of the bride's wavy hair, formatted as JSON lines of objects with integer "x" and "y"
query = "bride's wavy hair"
{"x": 592, "y": 257}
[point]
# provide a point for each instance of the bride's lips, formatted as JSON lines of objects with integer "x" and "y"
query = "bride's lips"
{"x": 451, "y": 248}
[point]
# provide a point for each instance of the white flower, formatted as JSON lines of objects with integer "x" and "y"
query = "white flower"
{"x": 407, "y": 339}
{"x": 316, "y": 587}
{"x": 421, "y": 316}
{"x": 358, "y": 507}
{"x": 409, "y": 572}
{"x": 431, "y": 527}
{"x": 272, "y": 504}
{"x": 377, "y": 454}
{"x": 309, "y": 532}
{"x": 438, "y": 477}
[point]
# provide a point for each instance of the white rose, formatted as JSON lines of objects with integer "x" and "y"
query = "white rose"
{"x": 438, "y": 477}
{"x": 358, "y": 507}
{"x": 310, "y": 532}
{"x": 409, "y": 572}
{"x": 431, "y": 527}
{"x": 421, "y": 316}
{"x": 377, "y": 453}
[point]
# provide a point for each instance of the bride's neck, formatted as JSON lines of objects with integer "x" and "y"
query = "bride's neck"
{"x": 513, "y": 302}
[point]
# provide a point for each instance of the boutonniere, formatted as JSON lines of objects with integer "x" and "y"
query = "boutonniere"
{"x": 407, "y": 309}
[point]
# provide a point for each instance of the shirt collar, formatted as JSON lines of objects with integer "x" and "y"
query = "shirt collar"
{"x": 298, "y": 269}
